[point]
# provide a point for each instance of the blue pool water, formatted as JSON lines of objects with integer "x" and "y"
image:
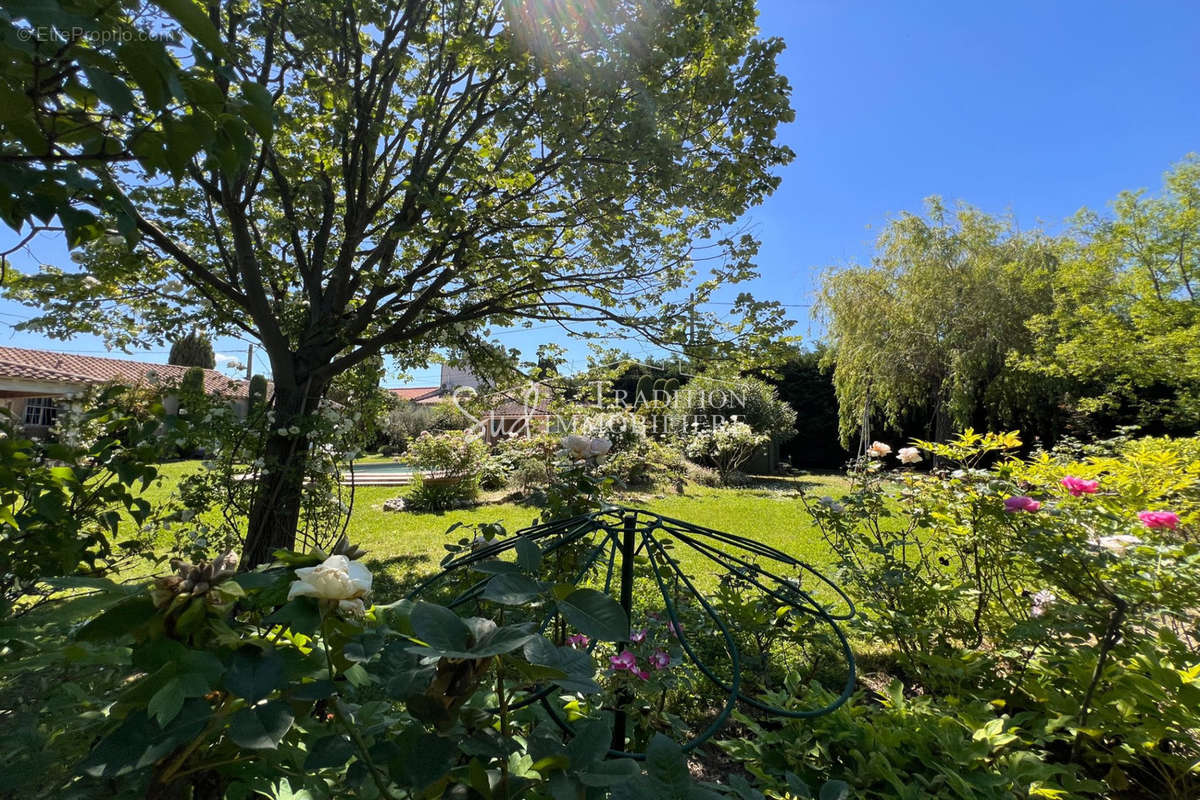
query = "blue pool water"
{"x": 375, "y": 468}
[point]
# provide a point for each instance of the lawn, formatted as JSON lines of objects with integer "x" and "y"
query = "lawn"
{"x": 403, "y": 547}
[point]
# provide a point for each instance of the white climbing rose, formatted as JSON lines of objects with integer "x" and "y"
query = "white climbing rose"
{"x": 577, "y": 447}
{"x": 336, "y": 578}
{"x": 909, "y": 455}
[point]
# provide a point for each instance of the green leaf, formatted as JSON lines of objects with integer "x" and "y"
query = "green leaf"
{"x": 667, "y": 768}
{"x": 529, "y": 555}
{"x": 502, "y": 640}
{"x": 120, "y": 620}
{"x": 576, "y": 665}
{"x": 329, "y": 751}
{"x": 834, "y": 790}
{"x": 302, "y": 615}
{"x": 494, "y": 566}
{"x": 191, "y": 17}
{"x": 110, "y": 89}
{"x": 261, "y": 727}
{"x": 168, "y": 700}
{"x": 258, "y": 111}
{"x": 437, "y": 756}
{"x": 511, "y": 590}
{"x": 616, "y": 772}
{"x": 595, "y": 614}
{"x": 439, "y": 627}
{"x": 590, "y": 742}
{"x": 139, "y": 741}
{"x": 253, "y": 674}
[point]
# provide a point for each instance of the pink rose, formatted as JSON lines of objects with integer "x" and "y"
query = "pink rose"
{"x": 1021, "y": 503}
{"x": 624, "y": 662}
{"x": 1159, "y": 519}
{"x": 1079, "y": 486}
{"x": 578, "y": 640}
{"x": 660, "y": 660}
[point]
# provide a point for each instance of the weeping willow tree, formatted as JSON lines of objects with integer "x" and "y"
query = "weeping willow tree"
{"x": 928, "y": 329}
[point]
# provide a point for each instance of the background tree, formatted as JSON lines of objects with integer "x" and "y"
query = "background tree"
{"x": 926, "y": 331}
{"x": 720, "y": 395}
{"x": 1125, "y": 320}
{"x": 807, "y": 388}
{"x": 193, "y": 350}
{"x": 400, "y": 176}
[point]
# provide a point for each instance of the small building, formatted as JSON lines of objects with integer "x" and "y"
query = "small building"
{"x": 34, "y": 382}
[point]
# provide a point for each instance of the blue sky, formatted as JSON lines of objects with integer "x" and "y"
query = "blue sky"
{"x": 1033, "y": 108}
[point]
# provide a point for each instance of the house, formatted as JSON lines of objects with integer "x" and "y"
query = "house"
{"x": 508, "y": 414}
{"x": 33, "y": 382}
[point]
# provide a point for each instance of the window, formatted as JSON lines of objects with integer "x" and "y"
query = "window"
{"x": 40, "y": 411}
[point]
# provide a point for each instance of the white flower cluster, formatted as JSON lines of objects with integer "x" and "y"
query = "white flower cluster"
{"x": 581, "y": 448}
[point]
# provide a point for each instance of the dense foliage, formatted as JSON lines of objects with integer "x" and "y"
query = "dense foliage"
{"x": 1043, "y": 614}
{"x": 963, "y": 320}
{"x": 195, "y": 349}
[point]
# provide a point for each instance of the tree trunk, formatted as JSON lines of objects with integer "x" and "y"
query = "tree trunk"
{"x": 275, "y": 508}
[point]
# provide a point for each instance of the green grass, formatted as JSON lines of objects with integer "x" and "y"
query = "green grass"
{"x": 403, "y": 547}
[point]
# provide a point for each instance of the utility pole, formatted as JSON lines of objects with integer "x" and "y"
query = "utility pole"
{"x": 249, "y": 362}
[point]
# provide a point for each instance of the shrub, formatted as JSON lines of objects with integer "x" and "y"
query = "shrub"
{"x": 446, "y": 470}
{"x": 701, "y": 475}
{"x": 446, "y": 454}
{"x": 726, "y": 447}
{"x": 62, "y": 503}
{"x": 647, "y": 464}
{"x": 1045, "y": 588}
{"x": 709, "y": 401}
{"x": 624, "y": 431}
{"x": 344, "y": 699}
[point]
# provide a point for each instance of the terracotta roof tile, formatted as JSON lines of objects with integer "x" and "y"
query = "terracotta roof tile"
{"x": 47, "y": 365}
{"x": 418, "y": 394}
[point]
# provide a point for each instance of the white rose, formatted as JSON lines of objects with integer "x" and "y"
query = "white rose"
{"x": 909, "y": 455}
{"x": 294, "y": 430}
{"x": 337, "y": 578}
{"x": 577, "y": 447}
{"x": 599, "y": 446}
{"x": 878, "y": 450}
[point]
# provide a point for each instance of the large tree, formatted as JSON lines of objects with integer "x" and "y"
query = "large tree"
{"x": 396, "y": 177}
{"x": 1125, "y": 322}
{"x": 926, "y": 331}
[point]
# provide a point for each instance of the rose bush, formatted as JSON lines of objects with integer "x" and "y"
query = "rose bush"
{"x": 231, "y": 683}
{"x": 726, "y": 447}
{"x": 1044, "y": 588}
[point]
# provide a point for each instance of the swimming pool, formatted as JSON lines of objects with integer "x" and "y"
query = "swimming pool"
{"x": 376, "y": 467}
{"x": 377, "y": 473}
